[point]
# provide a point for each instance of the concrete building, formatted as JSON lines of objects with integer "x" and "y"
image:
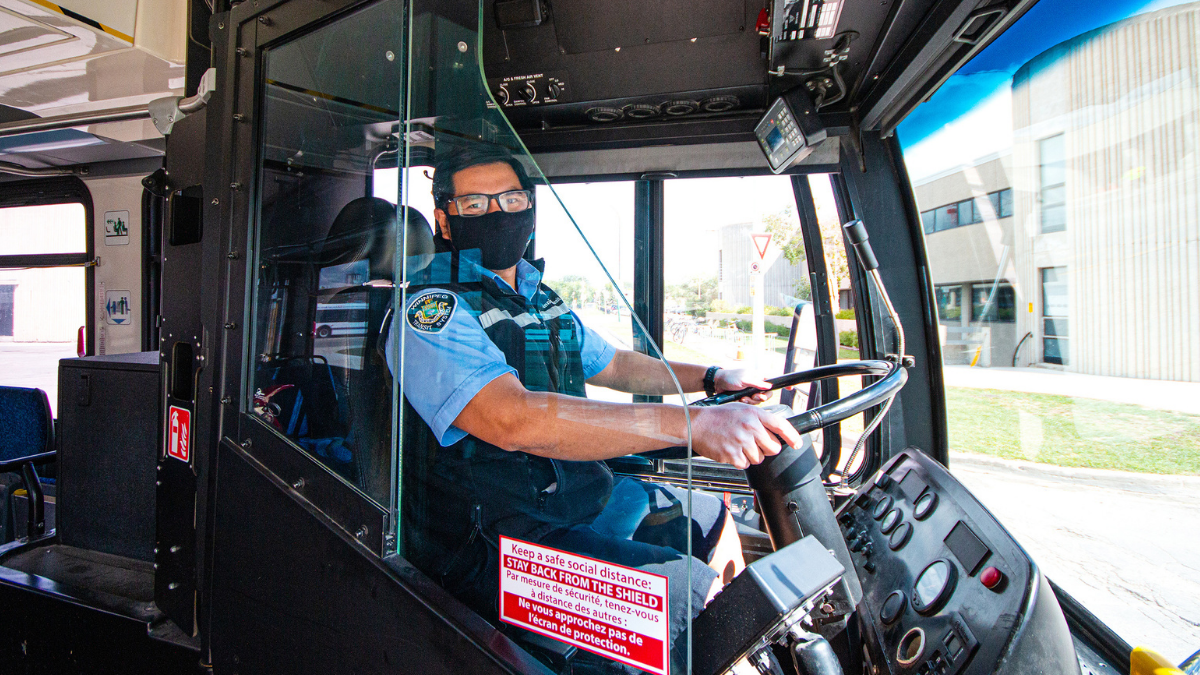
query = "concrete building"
{"x": 1096, "y": 262}
{"x": 733, "y": 270}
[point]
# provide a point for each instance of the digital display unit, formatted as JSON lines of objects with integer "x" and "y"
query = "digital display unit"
{"x": 789, "y": 130}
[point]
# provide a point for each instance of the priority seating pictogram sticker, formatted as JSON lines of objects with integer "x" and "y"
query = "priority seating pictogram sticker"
{"x": 179, "y": 433}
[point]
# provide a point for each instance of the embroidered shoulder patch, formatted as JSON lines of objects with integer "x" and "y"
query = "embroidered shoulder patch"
{"x": 430, "y": 311}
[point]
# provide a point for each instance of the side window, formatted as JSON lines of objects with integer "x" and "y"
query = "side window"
{"x": 604, "y": 214}
{"x": 1068, "y": 319}
{"x": 43, "y": 292}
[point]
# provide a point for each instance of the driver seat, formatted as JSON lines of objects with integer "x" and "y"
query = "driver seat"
{"x": 366, "y": 230}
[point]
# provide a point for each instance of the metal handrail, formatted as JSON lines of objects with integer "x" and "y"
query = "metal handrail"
{"x": 131, "y": 112}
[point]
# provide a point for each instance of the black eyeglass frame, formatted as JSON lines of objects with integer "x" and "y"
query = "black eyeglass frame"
{"x": 496, "y": 197}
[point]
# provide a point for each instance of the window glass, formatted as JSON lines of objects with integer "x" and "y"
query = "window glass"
{"x": 1006, "y": 203}
{"x": 949, "y": 303}
{"x": 42, "y": 309}
{"x": 324, "y": 245}
{"x": 927, "y": 221}
{"x": 946, "y": 217}
{"x": 1055, "y": 313}
{"x": 712, "y": 320}
{"x": 604, "y": 214}
{"x": 1052, "y": 177}
{"x": 1073, "y": 379}
{"x": 511, "y": 353}
{"x": 993, "y": 303}
{"x": 966, "y": 212}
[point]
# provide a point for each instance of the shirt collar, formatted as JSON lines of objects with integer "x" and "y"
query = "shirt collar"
{"x": 528, "y": 278}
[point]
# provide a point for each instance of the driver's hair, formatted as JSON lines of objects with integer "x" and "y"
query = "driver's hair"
{"x": 465, "y": 156}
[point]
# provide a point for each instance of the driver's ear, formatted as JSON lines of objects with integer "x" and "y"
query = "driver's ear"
{"x": 439, "y": 216}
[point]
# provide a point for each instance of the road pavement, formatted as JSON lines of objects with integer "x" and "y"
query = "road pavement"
{"x": 1126, "y": 545}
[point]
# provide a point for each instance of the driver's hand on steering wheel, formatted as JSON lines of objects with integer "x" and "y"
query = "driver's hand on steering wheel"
{"x": 739, "y": 434}
{"x": 736, "y": 380}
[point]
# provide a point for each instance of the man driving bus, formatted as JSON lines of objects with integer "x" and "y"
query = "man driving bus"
{"x": 499, "y": 438}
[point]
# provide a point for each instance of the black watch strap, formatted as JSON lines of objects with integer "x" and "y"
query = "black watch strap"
{"x": 710, "y": 381}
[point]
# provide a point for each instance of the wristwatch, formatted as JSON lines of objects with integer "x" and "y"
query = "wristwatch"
{"x": 710, "y": 380}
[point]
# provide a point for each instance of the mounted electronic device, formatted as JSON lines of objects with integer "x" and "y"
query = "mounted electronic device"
{"x": 790, "y": 130}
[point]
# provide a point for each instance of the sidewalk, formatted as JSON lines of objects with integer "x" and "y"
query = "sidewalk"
{"x": 1159, "y": 394}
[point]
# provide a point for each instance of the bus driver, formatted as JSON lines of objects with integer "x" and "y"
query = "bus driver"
{"x": 499, "y": 438}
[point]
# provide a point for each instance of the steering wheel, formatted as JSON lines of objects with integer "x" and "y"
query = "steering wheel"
{"x": 894, "y": 377}
{"x": 876, "y": 393}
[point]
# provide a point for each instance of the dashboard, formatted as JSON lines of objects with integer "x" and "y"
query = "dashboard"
{"x": 946, "y": 589}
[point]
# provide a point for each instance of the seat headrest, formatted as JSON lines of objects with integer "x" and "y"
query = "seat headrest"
{"x": 365, "y": 229}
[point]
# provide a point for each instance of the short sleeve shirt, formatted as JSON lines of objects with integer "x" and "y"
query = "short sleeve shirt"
{"x": 444, "y": 368}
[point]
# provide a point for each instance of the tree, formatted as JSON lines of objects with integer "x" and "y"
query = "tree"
{"x": 575, "y": 290}
{"x": 695, "y": 296}
{"x": 784, "y": 229}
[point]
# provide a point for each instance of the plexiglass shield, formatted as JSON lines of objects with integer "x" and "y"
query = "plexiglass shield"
{"x": 519, "y": 369}
{"x": 432, "y": 326}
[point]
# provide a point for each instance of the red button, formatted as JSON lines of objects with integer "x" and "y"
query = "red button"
{"x": 991, "y": 578}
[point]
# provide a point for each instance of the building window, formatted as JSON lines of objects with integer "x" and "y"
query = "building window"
{"x": 966, "y": 212}
{"x": 1055, "y": 332}
{"x": 945, "y": 217}
{"x": 845, "y": 299}
{"x": 949, "y": 303}
{"x": 1052, "y": 175}
{"x": 998, "y": 307}
{"x": 1005, "y": 198}
{"x": 1002, "y": 203}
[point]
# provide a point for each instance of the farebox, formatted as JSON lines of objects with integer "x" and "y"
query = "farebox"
{"x": 762, "y": 604}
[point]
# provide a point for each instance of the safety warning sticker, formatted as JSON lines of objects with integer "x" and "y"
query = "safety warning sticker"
{"x": 179, "y": 427}
{"x": 614, "y": 611}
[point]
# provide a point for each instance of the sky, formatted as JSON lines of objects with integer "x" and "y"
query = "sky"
{"x": 942, "y": 133}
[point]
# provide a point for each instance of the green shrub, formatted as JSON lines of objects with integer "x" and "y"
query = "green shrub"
{"x": 721, "y": 306}
{"x": 845, "y": 314}
{"x": 777, "y": 311}
{"x": 782, "y": 331}
{"x": 848, "y": 338}
{"x": 745, "y": 309}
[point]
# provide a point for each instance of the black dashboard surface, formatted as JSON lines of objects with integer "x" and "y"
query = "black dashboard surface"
{"x": 946, "y": 589}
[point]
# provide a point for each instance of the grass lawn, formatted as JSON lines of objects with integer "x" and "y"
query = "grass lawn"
{"x": 1072, "y": 431}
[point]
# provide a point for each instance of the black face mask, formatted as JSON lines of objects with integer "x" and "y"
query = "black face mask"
{"x": 500, "y": 237}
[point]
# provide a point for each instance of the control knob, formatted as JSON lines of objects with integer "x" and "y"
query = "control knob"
{"x": 528, "y": 92}
{"x": 554, "y": 89}
{"x": 503, "y": 95}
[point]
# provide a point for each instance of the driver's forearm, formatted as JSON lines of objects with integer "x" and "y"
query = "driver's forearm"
{"x": 507, "y": 415}
{"x": 579, "y": 429}
{"x": 637, "y": 373}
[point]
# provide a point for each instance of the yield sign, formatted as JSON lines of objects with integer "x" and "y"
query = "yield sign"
{"x": 761, "y": 242}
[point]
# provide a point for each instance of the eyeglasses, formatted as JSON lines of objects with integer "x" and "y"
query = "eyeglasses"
{"x": 513, "y": 201}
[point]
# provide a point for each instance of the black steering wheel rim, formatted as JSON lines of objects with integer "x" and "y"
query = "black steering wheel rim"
{"x": 893, "y": 378}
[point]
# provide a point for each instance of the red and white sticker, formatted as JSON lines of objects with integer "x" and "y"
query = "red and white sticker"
{"x": 179, "y": 433}
{"x": 617, "y": 612}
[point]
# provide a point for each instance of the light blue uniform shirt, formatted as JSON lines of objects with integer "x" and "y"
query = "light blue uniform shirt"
{"x": 445, "y": 368}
